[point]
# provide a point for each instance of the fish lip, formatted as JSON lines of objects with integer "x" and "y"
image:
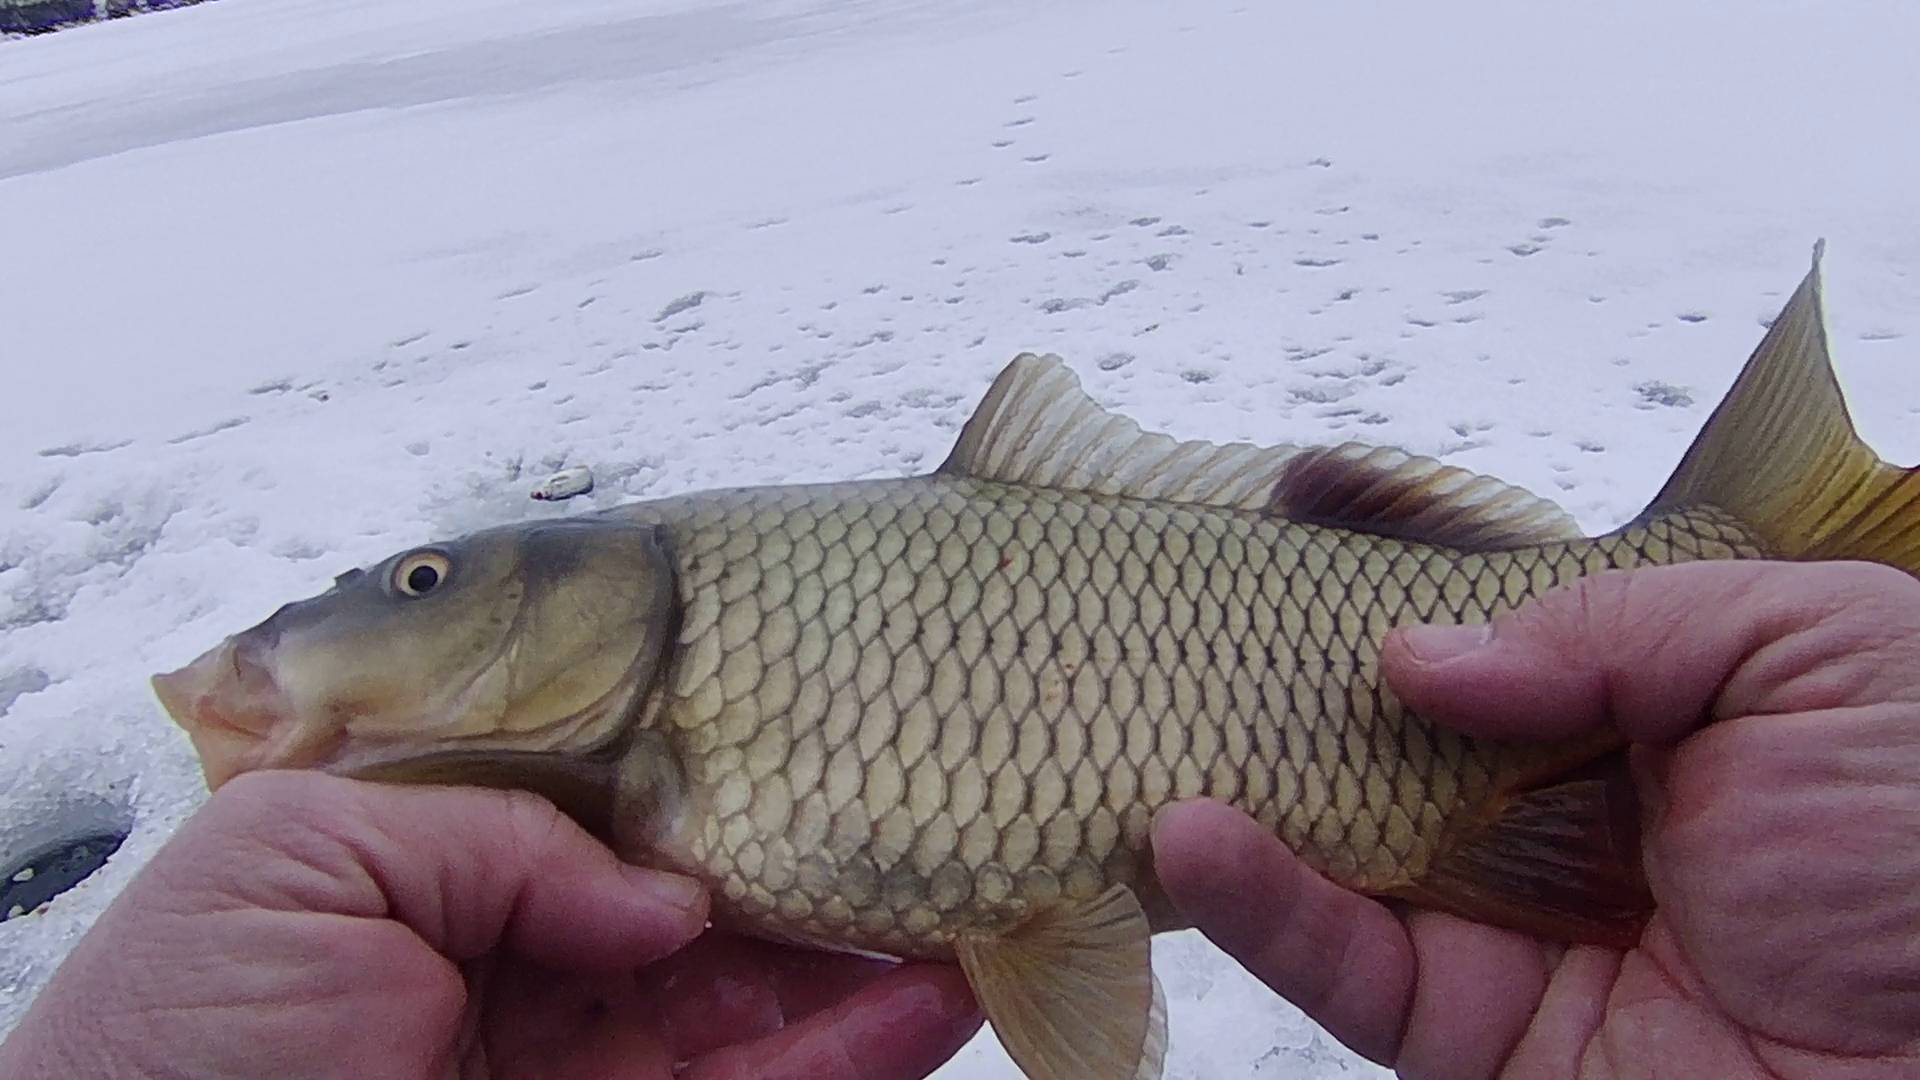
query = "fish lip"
{"x": 230, "y": 704}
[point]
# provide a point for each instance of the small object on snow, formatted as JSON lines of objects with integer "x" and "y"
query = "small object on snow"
{"x": 565, "y": 484}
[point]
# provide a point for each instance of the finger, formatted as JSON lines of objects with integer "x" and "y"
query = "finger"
{"x": 724, "y": 989}
{"x": 1659, "y": 651}
{"x": 1478, "y": 989}
{"x": 901, "y": 1026}
{"x": 1342, "y": 958}
{"x": 466, "y": 869}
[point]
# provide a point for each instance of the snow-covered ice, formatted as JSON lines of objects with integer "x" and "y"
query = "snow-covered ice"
{"x": 288, "y": 284}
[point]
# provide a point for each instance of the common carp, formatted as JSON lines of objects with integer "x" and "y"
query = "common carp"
{"x": 933, "y": 716}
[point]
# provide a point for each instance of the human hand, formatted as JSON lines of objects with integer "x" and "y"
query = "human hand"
{"x": 302, "y": 925}
{"x": 1775, "y": 712}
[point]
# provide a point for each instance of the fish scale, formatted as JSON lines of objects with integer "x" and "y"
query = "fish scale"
{"x": 920, "y": 708}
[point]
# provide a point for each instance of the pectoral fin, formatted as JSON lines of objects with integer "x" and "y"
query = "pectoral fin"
{"x": 1071, "y": 993}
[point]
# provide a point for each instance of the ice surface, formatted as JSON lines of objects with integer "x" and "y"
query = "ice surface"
{"x": 286, "y": 284}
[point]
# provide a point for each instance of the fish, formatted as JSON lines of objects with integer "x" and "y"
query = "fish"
{"x": 933, "y": 716}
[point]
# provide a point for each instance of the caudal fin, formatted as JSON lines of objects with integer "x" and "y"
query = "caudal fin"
{"x": 1781, "y": 454}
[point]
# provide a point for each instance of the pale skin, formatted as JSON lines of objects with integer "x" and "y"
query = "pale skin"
{"x": 306, "y": 926}
{"x": 1775, "y": 712}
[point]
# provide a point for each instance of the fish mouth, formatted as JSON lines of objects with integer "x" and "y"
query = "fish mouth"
{"x": 229, "y": 703}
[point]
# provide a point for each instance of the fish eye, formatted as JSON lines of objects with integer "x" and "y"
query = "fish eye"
{"x": 420, "y": 573}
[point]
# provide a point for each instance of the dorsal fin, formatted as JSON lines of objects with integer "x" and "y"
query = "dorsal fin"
{"x": 1036, "y": 426}
{"x": 1780, "y": 453}
{"x": 1387, "y": 492}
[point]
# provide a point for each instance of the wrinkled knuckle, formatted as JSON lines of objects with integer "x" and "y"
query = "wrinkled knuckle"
{"x": 533, "y": 823}
{"x": 1876, "y": 588}
{"x": 253, "y": 800}
{"x": 1589, "y": 609}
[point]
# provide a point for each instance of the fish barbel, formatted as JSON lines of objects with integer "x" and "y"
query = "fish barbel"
{"x": 934, "y": 716}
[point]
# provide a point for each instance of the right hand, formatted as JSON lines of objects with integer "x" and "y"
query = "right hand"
{"x": 1775, "y": 712}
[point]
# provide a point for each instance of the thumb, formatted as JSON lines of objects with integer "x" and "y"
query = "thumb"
{"x": 466, "y": 869}
{"x": 1657, "y": 652}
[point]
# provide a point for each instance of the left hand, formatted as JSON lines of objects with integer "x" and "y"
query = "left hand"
{"x": 302, "y": 925}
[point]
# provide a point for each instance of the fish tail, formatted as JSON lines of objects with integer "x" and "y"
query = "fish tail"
{"x": 1558, "y": 856}
{"x": 1781, "y": 455}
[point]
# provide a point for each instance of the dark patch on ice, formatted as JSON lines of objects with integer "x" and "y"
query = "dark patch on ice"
{"x": 1590, "y": 447}
{"x": 1315, "y": 263}
{"x": 401, "y": 343}
{"x": 1002, "y": 144}
{"x": 1321, "y": 163}
{"x": 38, "y": 497}
{"x": 33, "y": 609}
{"x": 1032, "y": 238}
{"x": 1114, "y": 361}
{"x": 277, "y": 386}
{"x": 1323, "y": 394}
{"x": 930, "y": 399}
{"x": 1035, "y": 159}
{"x": 1119, "y": 289}
{"x": 685, "y": 303}
{"x": 1880, "y": 335}
{"x": 1655, "y": 392}
{"x": 20, "y": 682}
{"x": 1057, "y": 305}
{"x": 1461, "y": 296}
{"x": 1552, "y": 223}
{"x": 517, "y": 292}
{"x": 213, "y": 429}
{"x": 1525, "y": 249}
{"x": 76, "y": 449}
{"x": 1193, "y": 375}
{"x": 1161, "y": 261}
{"x": 1691, "y": 317}
{"x": 1021, "y": 122}
{"x": 1143, "y": 222}
{"x": 1173, "y": 230}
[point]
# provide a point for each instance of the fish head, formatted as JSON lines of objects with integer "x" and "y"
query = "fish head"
{"x": 541, "y": 636}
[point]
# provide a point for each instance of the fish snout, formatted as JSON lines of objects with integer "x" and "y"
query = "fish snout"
{"x": 228, "y": 702}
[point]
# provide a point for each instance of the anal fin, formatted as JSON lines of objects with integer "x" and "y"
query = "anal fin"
{"x": 1561, "y": 861}
{"x": 1070, "y": 992}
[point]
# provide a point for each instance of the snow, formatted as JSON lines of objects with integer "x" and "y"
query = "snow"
{"x": 288, "y": 284}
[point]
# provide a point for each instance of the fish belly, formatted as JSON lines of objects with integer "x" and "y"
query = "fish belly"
{"x": 908, "y": 710}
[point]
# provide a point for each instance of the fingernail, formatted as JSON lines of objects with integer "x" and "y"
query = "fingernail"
{"x": 1437, "y": 644}
{"x": 670, "y": 889}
